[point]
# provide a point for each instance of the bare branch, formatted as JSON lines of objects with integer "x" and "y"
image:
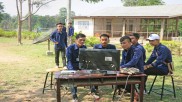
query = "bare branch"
{"x": 37, "y": 9}
{"x": 17, "y": 7}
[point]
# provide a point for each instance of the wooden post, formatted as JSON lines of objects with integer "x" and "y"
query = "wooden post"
{"x": 147, "y": 28}
{"x": 167, "y": 31}
{"x": 103, "y": 23}
{"x": 49, "y": 52}
{"x": 135, "y": 24}
{"x": 112, "y": 27}
{"x": 48, "y": 44}
{"x": 154, "y": 26}
{"x": 124, "y": 23}
{"x": 68, "y": 19}
{"x": 162, "y": 29}
{"x": 176, "y": 28}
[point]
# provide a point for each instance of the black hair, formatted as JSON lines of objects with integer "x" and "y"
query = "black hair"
{"x": 104, "y": 35}
{"x": 80, "y": 35}
{"x": 59, "y": 24}
{"x": 136, "y": 35}
{"x": 124, "y": 38}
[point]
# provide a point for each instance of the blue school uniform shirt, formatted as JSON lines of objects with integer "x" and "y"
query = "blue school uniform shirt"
{"x": 142, "y": 49}
{"x": 109, "y": 46}
{"x": 60, "y": 37}
{"x": 72, "y": 53}
{"x": 132, "y": 57}
{"x": 161, "y": 55}
{"x": 71, "y": 31}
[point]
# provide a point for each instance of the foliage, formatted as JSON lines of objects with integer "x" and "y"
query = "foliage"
{"x": 1, "y": 10}
{"x": 8, "y": 22}
{"x": 180, "y": 27}
{"x": 74, "y": 36}
{"x": 30, "y": 35}
{"x": 91, "y": 41}
{"x": 63, "y": 14}
{"x": 142, "y": 2}
{"x": 7, "y": 33}
{"x": 25, "y": 34}
{"x": 148, "y": 47}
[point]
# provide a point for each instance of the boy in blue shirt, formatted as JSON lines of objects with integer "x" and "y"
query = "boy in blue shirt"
{"x": 104, "y": 40}
{"x": 59, "y": 38}
{"x": 131, "y": 57}
{"x": 72, "y": 53}
{"x": 70, "y": 32}
{"x": 161, "y": 55}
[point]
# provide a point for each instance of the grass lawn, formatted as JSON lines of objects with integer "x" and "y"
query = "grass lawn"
{"x": 22, "y": 73}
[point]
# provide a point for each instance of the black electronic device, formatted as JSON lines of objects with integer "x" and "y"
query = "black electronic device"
{"x": 99, "y": 59}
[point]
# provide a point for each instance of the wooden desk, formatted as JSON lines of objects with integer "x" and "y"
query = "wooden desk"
{"x": 99, "y": 80}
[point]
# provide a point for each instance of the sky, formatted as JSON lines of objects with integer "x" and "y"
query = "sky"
{"x": 78, "y": 6}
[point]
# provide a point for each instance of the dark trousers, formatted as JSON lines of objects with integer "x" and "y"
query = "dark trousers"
{"x": 152, "y": 71}
{"x": 57, "y": 53}
{"x": 127, "y": 89}
{"x": 74, "y": 92}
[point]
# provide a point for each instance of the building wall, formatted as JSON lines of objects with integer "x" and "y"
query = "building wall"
{"x": 115, "y": 26}
{"x": 84, "y": 25}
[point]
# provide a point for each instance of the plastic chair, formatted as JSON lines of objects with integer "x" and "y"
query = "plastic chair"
{"x": 171, "y": 69}
{"x": 51, "y": 70}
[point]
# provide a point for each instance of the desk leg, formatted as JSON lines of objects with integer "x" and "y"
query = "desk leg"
{"x": 141, "y": 89}
{"x": 132, "y": 93}
{"x": 58, "y": 91}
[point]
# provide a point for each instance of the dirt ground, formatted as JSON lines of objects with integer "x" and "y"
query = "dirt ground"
{"x": 19, "y": 89}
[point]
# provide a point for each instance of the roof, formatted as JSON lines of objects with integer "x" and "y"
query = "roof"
{"x": 157, "y": 11}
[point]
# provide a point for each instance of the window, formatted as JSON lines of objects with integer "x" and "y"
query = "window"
{"x": 108, "y": 25}
{"x": 83, "y": 25}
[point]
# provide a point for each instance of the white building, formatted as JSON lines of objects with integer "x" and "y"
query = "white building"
{"x": 119, "y": 21}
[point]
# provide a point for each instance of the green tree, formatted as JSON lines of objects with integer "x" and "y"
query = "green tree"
{"x": 142, "y": 2}
{"x": 6, "y": 21}
{"x": 63, "y": 14}
{"x": 19, "y": 7}
{"x": 1, "y": 11}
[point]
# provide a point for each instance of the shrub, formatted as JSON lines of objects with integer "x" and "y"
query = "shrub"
{"x": 7, "y": 33}
{"x": 25, "y": 34}
{"x": 91, "y": 41}
{"x": 1, "y": 32}
{"x": 148, "y": 47}
{"x": 30, "y": 35}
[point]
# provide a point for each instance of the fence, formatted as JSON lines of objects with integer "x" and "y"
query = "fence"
{"x": 177, "y": 39}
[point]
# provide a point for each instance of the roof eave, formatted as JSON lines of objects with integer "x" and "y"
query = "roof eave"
{"x": 78, "y": 17}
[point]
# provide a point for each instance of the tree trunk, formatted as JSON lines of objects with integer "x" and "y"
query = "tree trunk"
{"x": 19, "y": 30}
{"x": 30, "y": 16}
{"x": 68, "y": 19}
{"x": 19, "y": 10}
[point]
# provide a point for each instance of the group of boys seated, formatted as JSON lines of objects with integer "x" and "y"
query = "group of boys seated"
{"x": 133, "y": 55}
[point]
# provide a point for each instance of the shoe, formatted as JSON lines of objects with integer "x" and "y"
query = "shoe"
{"x": 144, "y": 92}
{"x": 65, "y": 68}
{"x": 75, "y": 96}
{"x": 96, "y": 97}
{"x": 119, "y": 91}
{"x": 57, "y": 66}
{"x": 75, "y": 100}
